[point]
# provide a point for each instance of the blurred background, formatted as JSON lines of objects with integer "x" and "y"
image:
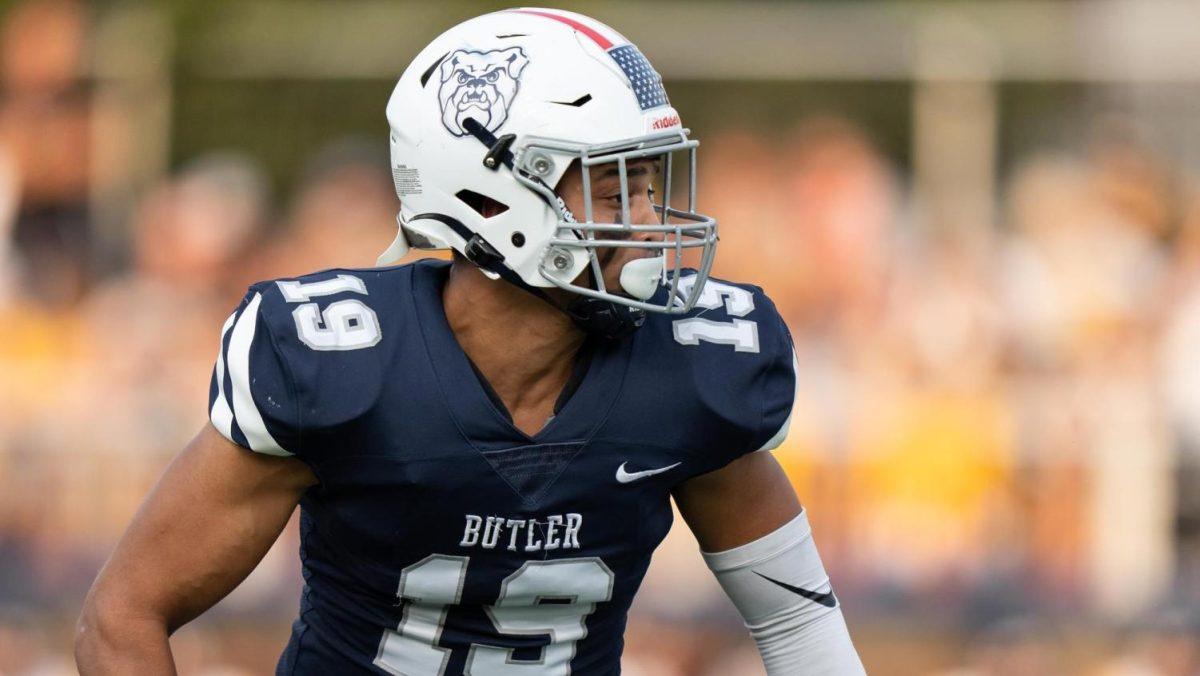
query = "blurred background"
{"x": 980, "y": 219}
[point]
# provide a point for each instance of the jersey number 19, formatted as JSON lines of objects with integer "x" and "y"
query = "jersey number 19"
{"x": 540, "y": 598}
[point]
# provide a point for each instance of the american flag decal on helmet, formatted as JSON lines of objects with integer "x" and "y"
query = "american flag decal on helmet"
{"x": 645, "y": 81}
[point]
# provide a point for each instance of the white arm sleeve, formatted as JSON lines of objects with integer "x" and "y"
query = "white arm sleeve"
{"x": 783, "y": 593}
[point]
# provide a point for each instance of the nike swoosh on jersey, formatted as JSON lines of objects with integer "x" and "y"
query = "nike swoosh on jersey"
{"x": 626, "y": 477}
{"x": 826, "y": 599}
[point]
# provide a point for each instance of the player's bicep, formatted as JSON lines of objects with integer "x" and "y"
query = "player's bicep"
{"x": 739, "y": 503}
{"x": 210, "y": 519}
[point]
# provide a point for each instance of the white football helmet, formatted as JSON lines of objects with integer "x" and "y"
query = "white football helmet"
{"x": 501, "y": 106}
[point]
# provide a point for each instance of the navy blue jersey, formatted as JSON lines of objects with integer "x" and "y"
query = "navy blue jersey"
{"x": 440, "y": 538}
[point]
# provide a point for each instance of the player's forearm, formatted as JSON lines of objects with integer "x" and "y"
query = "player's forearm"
{"x": 817, "y": 646}
{"x": 111, "y": 642}
{"x": 781, "y": 588}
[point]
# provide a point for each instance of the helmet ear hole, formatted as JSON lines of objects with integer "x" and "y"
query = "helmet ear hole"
{"x": 482, "y": 204}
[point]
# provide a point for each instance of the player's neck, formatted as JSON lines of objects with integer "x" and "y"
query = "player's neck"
{"x": 523, "y": 346}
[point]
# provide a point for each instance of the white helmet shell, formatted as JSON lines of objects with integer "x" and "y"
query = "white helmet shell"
{"x": 567, "y": 87}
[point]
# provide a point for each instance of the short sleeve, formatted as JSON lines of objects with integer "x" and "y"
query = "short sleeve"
{"x": 252, "y": 397}
{"x": 736, "y": 381}
{"x": 779, "y": 389}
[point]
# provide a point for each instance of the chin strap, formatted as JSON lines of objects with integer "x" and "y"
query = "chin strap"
{"x": 595, "y": 316}
{"x": 605, "y": 318}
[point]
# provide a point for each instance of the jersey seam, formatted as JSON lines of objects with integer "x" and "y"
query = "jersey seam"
{"x": 762, "y": 400}
{"x": 632, "y": 442}
{"x": 616, "y": 396}
{"x": 299, "y": 646}
{"x": 292, "y": 387}
{"x": 437, "y": 375}
{"x": 762, "y": 395}
{"x": 306, "y": 605}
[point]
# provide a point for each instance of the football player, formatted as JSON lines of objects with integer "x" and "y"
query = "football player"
{"x": 484, "y": 451}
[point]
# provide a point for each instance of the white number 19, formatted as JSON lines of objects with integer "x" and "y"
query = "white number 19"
{"x": 742, "y": 334}
{"x": 572, "y": 588}
{"x": 344, "y": 325}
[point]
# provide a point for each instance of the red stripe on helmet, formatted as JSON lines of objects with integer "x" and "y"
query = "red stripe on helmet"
{"x": 592, "y": 33}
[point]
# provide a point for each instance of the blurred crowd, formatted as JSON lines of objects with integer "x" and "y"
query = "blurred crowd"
{"x": 997, "y": 432}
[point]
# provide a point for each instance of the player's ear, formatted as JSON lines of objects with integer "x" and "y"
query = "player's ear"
{"x": 448, "y": 66}
{"x": 514, "y": 61}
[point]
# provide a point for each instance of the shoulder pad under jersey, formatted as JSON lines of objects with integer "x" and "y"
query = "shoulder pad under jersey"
{"x": 727, "y": 370}
{"x": 303, "y": 354}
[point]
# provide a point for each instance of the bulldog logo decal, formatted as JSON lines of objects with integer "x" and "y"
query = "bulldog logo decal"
{"x": 479, "y": 85}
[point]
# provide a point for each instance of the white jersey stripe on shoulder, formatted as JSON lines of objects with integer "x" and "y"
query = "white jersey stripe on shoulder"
{"x": 221, "y": 415}
{"x": 249, "y": 419}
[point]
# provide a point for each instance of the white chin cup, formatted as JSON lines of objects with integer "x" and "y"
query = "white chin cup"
{"x": 639, "y": 278}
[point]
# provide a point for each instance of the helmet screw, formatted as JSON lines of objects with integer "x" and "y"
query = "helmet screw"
{"x": 541, "y": 165}
{"x": 560, "y": 259}
{"x": 489, "y": 162}
{"x": 518, "y": 239}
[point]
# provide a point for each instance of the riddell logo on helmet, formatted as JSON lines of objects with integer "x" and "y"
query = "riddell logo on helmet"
{"x": 481, "y": 85}
{"x": 662, "y": 122}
